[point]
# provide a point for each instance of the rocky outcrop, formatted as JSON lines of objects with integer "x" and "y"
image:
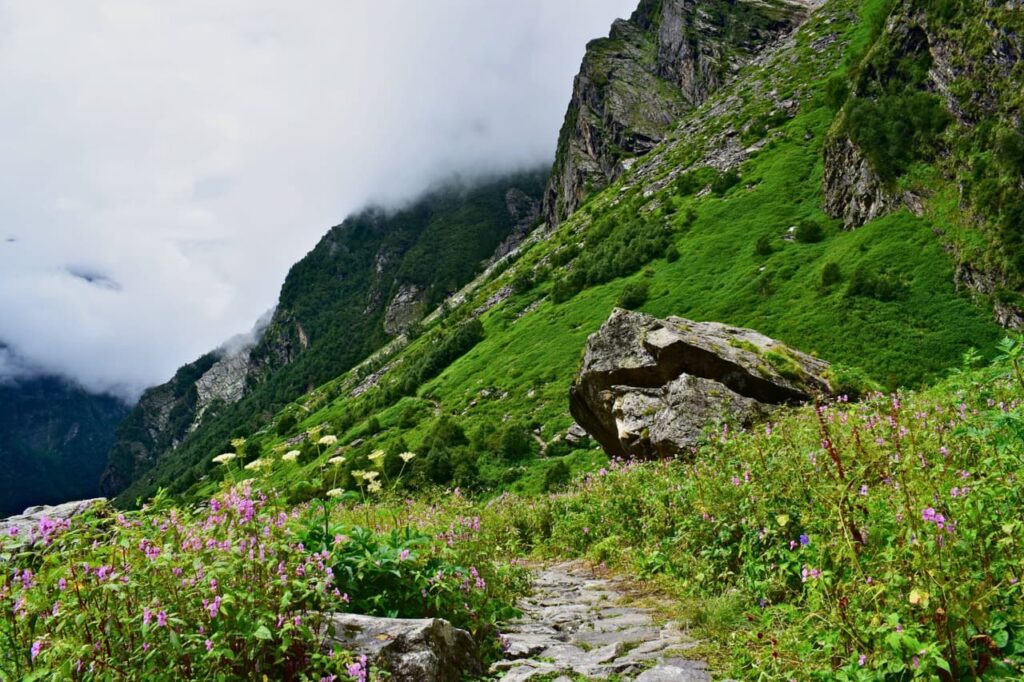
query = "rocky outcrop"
{"x": 225, "y": 381}
{"x": 632, "y": 86}
{"x": 524, "y": 211}
{"x": 649, "y": 387}
{"x": 411, "y": 650}
{"x": 853, "y": 190}
{"x": 405, "y": 310}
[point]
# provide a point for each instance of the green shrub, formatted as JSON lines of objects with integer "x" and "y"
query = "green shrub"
{"x": 763, "y": 247}
{"x": 286, "y": 424}
{"x": 633, "y": 295}
{"x": 830, "y": 274}
{"x": 672, "y": 253}
{"x": 809, "y": 232}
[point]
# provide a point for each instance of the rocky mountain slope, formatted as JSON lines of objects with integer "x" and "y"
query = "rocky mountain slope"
{"x": 369, "y": 280}
{"x": 666, "y": 59}
{"x": 54, "y": 439}
{"x": 824, "y": 192}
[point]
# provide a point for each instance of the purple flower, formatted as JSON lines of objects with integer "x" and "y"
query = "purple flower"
{"x": 209, "y": 644}
{"x": 804, "y": 540}
{"x": 161, "y": 619}
{"x": 864, "y": 491}
{"x": 62, "y": 584}
{"x": 862, "y": 660}
{"x": 147, "y": 616}
{"x": 37, "y": 646}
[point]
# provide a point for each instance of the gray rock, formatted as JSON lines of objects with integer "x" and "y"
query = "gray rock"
{"x": 412, "y": 650}
{"x": 27, "y": 524}
{"x": 853, "y": 190}
{"x": 406, "y": 309}
{"x": 675, "y": 673}
{"x": 649, "y": 387}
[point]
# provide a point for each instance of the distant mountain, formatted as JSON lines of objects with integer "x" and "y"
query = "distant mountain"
{"x": 368, "y": 282}
{"x": 54, "y": 439}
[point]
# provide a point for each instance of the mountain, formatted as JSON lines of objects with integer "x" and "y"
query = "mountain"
{"x": 633, "y": 86}
{"x": 843, "y": 176}
{"x": 54, "y": 439}
{"x": 367, "y": 283}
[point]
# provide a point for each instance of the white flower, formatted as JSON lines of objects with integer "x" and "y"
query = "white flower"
{"x": 374, "y": 487}
{"x": 291, "y": 455}
{"x": 328, "y": 440}
{"x": 334, "y": 492}
{"x": 225, "y": 458}
{"x": 257, "y": 464}
{"x": 358, "y": 474}
{"x": 370, "y": 475}
{"x": 376, "y": 456}
{"x": 336, "y": 460}
{"x": 406, "y": 456}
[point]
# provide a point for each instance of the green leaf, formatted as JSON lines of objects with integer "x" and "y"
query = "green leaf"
{"x": 263, "y": 633}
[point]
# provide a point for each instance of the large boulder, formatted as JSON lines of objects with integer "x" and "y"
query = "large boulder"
{"x": 412, "y": 650}
{"x": 36, "y": 524}
{"x": 649, "y": 387}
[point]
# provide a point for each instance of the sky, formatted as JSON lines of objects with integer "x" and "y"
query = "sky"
{"x": 163, "y": 163}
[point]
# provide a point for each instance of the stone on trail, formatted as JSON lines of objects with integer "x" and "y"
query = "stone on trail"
{"x": 412, "y": 650}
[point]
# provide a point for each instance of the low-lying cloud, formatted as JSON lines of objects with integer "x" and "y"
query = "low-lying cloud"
{"x": 164, "y": 163}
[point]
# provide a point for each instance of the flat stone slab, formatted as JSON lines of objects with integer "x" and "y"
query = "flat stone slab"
{"x": 576, "y": 624}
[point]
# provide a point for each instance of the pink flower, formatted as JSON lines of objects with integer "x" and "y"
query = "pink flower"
{"x": 37, "y": 647}
{"x": 209, "y": 644}
{"x": 161, "y": 619}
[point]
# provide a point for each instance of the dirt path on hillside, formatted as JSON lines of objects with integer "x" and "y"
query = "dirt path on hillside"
{"x": 576, "y": 624}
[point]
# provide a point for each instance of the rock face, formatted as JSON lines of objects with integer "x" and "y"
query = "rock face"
{"x": 633, "y": 85}
{"x": 405, "y": 309}
{"x": 27, "y": 528}
{"x": 648, "y": 387}
{"x": 853, "y": 190}
{"x": 412, "y": 650}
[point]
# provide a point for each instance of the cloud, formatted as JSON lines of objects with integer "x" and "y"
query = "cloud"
{"x": 165, "y": 162}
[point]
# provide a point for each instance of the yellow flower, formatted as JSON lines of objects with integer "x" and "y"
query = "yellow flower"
{"x": 919, "y": 597}
{"x": 335, "y": 492}
{"x": 336, "y": 460}
{"x": 257, "y": 464}
{"x": 782, "y": 519}
{"x": 358, "y": 474}
{"x": 291, "y": 455}
{"x": 237, "y": 442}
{"x": 406, "y": 456}
{"x": 328, "y": 440}
{"x": 370, "y": 475}
{"x": 225, "y": 458}
{"x": 374, "y": 487}
{"x": 376, "y": 456}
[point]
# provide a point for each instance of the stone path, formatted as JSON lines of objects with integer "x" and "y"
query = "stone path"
{"x": 578, "y": 626}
